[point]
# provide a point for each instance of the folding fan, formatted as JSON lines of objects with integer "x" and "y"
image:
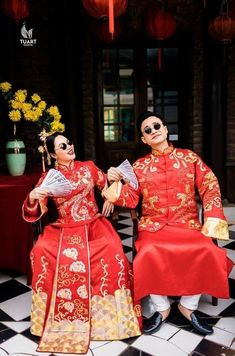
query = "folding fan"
{"x": 128, "y": 173}
{"x": 56, "y": 184}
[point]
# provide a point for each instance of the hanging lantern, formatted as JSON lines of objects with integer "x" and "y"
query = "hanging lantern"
{"x": 15, "y": 9}
{"x": 160, "y": 25}
{"x": 102, "y": 31}
{"x": 106, "y": 8}
{"x": 222, "y": 28}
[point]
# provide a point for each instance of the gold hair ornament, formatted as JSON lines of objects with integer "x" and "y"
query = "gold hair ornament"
{"x": 43, "y": 149}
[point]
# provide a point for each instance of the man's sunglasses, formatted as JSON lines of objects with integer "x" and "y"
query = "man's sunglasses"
{"x": 63, "y": 146}
{"x": 156, "y": 126}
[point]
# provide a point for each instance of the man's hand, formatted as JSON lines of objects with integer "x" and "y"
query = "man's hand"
{"x": 107, "y": 208}
{"x": 113, "y": 174}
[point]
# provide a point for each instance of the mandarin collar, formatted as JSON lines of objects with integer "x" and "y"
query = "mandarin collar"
{"x": 166, "y": 151}
{"x": 63, "y": 167}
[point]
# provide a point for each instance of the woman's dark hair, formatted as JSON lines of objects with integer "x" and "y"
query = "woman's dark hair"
{"x": 50, "y": 141}
{"x": 145, "y": 115}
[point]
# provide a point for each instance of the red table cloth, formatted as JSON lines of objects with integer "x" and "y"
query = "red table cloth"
{"x": 16, "y": 236}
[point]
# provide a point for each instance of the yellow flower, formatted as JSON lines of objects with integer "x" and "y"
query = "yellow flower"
{"x": 15, "y": 104}
{"x": 25, "y": 107}
{"x": 5, "y": 87}
{"x": 54, "y": 111}
{"x": 14, "y": 115}
{"x": 32, "y": 115}
{"x": 36, "y": 98}
{"x": 20, "y": 95}
{"x": 57, "y": 126}
{"x": 42, "y": 105}
{"x": 31, "y": 108}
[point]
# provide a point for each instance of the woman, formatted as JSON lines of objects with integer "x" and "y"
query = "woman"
{"x": 174, "y": 257}
{"x": 81, "y": 278}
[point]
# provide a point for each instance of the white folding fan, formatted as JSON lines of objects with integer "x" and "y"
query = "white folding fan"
{"x": 128, "y": 173}
{"x": 56, "y": 184}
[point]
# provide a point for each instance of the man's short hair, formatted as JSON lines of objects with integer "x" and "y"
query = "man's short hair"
{"x": 147, "y": 114}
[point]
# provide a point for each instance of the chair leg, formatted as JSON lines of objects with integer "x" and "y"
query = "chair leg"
{"x": 214, "y": 301}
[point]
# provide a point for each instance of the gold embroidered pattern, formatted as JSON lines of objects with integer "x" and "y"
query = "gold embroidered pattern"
{"x": 42, "y": 276}
{"x": 216, "y": 228}
{"x": 137, "y": 310}
{"x": 104, "y": 279}
{"x": 32, "y": 256}
{"x": 64, "y": 279}
{"x": 75, "y": 240}
{"x": 113, "y": 316}
{"x": 71, "y": 311}
{"x": 121, "y": 274}
{"x": 38, "y": 311}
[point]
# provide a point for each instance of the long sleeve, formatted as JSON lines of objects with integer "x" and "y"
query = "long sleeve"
{"x": 32, "y": 213}
{"x": 215, "y": 224}
{"x": 100, "y": 178}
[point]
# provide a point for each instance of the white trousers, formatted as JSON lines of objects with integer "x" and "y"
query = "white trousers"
{"x": 162, "y": 303}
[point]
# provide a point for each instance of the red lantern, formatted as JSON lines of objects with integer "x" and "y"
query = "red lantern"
{"x": 103, "y": 34}
{"x": 160, "y": 25}
{"x": 106, "y": 8}
{"x": 222, "y": 28}
{"x": 15, "y": 9}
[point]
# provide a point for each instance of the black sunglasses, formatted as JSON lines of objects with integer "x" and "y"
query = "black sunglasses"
{"x": 63, "y": 146}
{"x": 156, "y": 126}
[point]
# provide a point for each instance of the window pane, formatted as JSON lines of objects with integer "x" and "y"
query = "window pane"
{"x": 171, "y": 113}
{"x": 172, "y": 128}
{"x": 126, "y": 58}
{"x": 109, "y": 58}
{"x": 109, "y": 79}
{"x": 126, "y": 86}
{"x": 110, "y": 115}
{"x": 127, "y": 124}
{"x": 110, "y": 133}
{"x": 109, "y": 97}
{"x": 152, "y": 60}
{"x": 173, "y": 137}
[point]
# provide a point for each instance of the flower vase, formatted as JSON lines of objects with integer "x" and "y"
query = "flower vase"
{"x": 15, "y": 157}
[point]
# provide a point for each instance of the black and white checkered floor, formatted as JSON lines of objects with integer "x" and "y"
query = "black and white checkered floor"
{"x": 175, "y": 338}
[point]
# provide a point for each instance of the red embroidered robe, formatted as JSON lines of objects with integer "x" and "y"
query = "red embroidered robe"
{"x": 174, "y": 256}
{"x": 81, "y": 278}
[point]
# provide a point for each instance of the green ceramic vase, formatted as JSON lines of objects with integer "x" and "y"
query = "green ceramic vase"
{"x": 15, "y": 157}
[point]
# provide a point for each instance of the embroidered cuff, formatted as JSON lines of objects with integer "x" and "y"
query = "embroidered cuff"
{"x": 215, "y": 228}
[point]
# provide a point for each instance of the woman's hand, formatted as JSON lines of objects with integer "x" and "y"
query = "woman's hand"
{"x": 113, "y": 175}
{"x": 107, "y": 208}
{"x": 37, "y": 194}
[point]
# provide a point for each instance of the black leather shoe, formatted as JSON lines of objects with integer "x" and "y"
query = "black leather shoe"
{"x": 153, "y": 323}
{"x": 200, "y": 324}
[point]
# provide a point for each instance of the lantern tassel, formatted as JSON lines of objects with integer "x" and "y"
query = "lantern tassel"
{"x": 111, "y": 18}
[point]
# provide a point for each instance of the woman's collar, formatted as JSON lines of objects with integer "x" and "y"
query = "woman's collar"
{"x": 64, "y": 167}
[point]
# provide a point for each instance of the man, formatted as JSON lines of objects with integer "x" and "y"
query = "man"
{"x": 175, "y": 255}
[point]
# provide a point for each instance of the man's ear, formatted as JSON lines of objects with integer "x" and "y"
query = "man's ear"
{"x": 53, "y": 155}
